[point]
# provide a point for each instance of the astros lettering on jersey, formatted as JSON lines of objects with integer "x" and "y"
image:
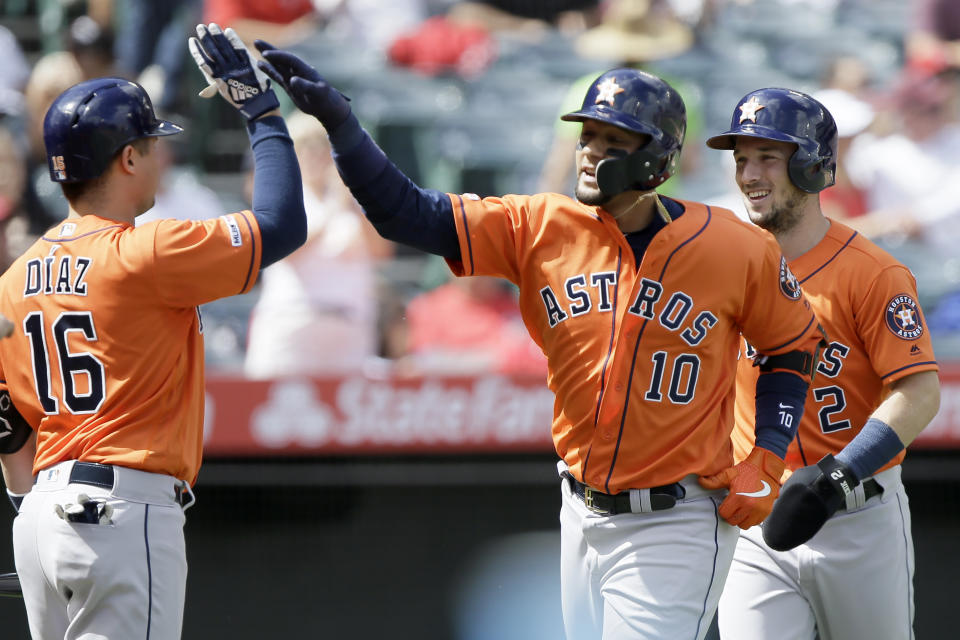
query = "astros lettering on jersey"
{"x": 877, "y": 337}
{"x": 95, "y": 370}
{"x": 657, "y": 404}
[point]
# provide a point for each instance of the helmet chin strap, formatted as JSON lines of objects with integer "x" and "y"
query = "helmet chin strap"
{"x": 661, "y": 210}
{"x": 642, "y": 196}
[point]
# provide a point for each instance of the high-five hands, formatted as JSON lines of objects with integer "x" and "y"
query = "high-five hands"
{"x": 306, "y": 87}
{"x": 230, "y": 70}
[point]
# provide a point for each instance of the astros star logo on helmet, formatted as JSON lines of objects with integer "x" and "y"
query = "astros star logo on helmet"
{"x": 748, "y": 110}
{"x": 607, "y": 91}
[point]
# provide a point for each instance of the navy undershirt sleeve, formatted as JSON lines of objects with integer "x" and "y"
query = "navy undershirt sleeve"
{"x": 400, "y": 210}
{"x": 779, "y": 404}
{"x": 277, "y": 189}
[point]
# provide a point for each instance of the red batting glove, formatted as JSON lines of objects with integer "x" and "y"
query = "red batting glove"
{"x": 754, "y": 485}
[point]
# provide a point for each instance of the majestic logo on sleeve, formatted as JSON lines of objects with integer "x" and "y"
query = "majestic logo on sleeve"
{"x": 789, "y": 285}
{"x": 903, "y": 317}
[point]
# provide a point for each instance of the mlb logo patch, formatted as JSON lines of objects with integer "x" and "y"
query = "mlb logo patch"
{"x": 59, "y": 167}
{"x": 236, "y": 238}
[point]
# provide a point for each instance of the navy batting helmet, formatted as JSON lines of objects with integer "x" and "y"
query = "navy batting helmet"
{"x": 788, "y": 116}
{"x": 89, "y": 122}
{"x": 643, "y": 103}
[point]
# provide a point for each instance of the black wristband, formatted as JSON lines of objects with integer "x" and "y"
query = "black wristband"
{"x": 838, "y": 475}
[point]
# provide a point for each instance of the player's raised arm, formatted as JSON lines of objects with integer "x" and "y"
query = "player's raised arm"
{"x": 399, "y": 209}
{"x": 229, "y": 68}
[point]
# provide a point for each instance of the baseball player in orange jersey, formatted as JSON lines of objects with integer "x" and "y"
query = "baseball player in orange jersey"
{"x": 834, "y": 560}
{"x": 638, "y": 303}
{"x": 106, "y": 366}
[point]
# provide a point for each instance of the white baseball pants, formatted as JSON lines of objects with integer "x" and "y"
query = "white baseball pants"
{"x": 643, "y": 576}
{"x": 123, "y": 579}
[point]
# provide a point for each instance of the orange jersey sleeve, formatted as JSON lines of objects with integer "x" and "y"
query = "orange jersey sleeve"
{"x": 107, "y": 361}
{"x": 642, "y": 362}
{"x": 867, "y": 304}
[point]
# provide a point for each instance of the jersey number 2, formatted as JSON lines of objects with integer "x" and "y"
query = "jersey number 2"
{"x": 827, "y": 412}
{"x": 72, "y": 365}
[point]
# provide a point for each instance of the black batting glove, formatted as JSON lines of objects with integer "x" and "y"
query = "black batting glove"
{"x": 306, "y": 87}
{"x": 229, "y": 68}
{"x": 807, "y": 500}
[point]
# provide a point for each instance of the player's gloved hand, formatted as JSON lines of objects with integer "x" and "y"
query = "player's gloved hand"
{"x": 754, "y": 485}
{"x": 808, "y": 499}
{"x": 307, "y": 88}
{"x": 229, "y": 68}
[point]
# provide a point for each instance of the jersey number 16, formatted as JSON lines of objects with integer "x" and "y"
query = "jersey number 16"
{"x": 73, "y": 366}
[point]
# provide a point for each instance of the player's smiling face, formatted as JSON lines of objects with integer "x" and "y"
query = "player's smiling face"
{"x": 773, "y": 201}
{"x": 597, "y": 139}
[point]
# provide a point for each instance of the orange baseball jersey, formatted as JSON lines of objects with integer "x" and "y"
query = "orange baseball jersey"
{"x": 107, "y": 364}
{"x": 866, "y": 302}
{"x": 642, "y": 362}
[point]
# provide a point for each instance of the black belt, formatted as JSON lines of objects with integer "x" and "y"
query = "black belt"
{"x": 98, "y": 475}
{"x": 101, "y": 475}
{"x": 661, "y": 498}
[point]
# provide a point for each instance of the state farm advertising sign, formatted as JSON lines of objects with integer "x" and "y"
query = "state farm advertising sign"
{"x": 422, "y": 415}
{"x": 362, "y": 415}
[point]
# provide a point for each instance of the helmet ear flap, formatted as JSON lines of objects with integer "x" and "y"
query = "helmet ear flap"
{"x": 811, "y": 174}
{"x": 613, "y": 173}
{"x": 823, "y": 174}
{"x": 644, "y": 169}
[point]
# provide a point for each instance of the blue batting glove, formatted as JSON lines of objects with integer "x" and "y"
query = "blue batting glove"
{"x": 307, "y": 88}
{"x": 229, "y": 68}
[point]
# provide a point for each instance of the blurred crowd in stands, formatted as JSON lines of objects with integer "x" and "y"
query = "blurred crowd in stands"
{"x": 444, "y": 86}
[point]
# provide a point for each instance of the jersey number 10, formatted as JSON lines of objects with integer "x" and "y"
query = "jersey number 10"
{"x": 683, "y": 378}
